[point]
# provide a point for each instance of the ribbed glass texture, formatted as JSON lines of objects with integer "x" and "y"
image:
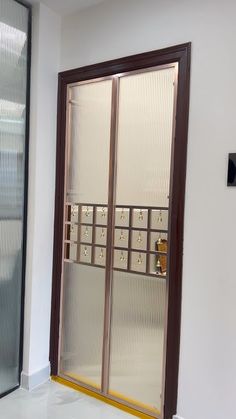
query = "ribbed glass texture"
{"x": 13, "y": 80}
{"x": 82, "y": 323}
{"x": 145, "y": 124}
{"x": 89, "y": 120}
{"x": 89, "y": 142}
{"x": 138, "y": 313}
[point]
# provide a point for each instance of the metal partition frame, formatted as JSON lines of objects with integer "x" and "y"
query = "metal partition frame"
{"x": 142, "y": 62}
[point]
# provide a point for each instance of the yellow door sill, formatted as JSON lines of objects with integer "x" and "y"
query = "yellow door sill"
{"x": 102, "y": 398}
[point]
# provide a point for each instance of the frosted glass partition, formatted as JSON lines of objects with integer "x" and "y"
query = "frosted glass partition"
{"x": 137, "y": 339}
{"x": 13, "y": 84}
{"x": 89, "y": 142}
{"x": 83, "y": 311}
{"x": 145, "y": 123}
{"x": 88, "y": 148}
{"x": 116, "y": 217}
{"x": 144, "y": 140}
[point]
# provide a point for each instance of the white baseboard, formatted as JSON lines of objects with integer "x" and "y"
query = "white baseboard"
{"x": 29, "y": 382}
{"x": 177, "y": 417}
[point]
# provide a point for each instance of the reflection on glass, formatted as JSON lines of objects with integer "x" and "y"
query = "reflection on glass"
{"x": 87, "y": 214}
{"x": 120, "y": 259}
{"x": 13, "y": 74}
{"x": 86, "y": 234}
{"x": 159, "y": 219}
{"x": 101, "y": 216}
{"x": 73, "y": 210}
{"x": 73, "y": 232}
{"x": 139, "y": 240}
{"x": 122, "y": 217}
{"x": 140, "y": 218}
{"x": 138, "y": 262}
{"x": 101, "y": 235}
{"x": 100, "y": 256}
{"x": 121, "y": 238}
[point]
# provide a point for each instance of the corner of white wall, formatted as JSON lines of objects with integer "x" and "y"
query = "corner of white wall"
{"x": 46, "y": 32}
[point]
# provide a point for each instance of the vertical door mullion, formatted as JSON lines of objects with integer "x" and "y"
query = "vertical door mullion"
{"x": 64, "y": 211}
{"x": 110, "y": 234}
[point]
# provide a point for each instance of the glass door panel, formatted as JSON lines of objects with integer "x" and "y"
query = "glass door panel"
{"x": 144, "y": 142}
{"x": 85, "y": 231}
{"x": 116, "y": 212}
{"x": 13, "y": 88}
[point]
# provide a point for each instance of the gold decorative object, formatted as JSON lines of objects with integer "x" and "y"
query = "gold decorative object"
{"x": 159, "y": 218}
{"x": 161, "y": 261}
{"x": 73, "y": 210}
{"x": 85, "y": 251}
{"x": 103, "y": 212}
{"x": 122, "y": 215}
{"x": 122, "y": 257}
{"x": 140, "y": 260}
{"x": 102, "y": 233}
{"x": 158, "y": 266}
{"x": 101, "y": 256}
{"x": 72, "y": 228}
{"x": 139, "y": 239}
{"x": 140, "y": 217}
{"x": 87, "y": 213}
{"x": 86, "y": 233}
{"x": 122, "y": 237}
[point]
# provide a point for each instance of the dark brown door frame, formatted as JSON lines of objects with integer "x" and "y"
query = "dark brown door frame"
{"x": 180, "y": 54}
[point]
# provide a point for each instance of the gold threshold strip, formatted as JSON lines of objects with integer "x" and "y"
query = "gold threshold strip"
{"x": 103, "y": 398}
{"x": 122, "y": 397}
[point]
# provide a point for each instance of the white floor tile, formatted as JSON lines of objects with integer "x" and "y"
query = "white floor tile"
{"x": 54, "y": 401}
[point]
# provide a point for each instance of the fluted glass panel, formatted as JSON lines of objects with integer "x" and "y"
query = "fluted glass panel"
{"x": 88, "y": 148}
{"x": 138, "y": 313}
{"x": 144, "y": 137}
{"x": 144, "y": 145}
{"x": 82, "y": 323}
{"x": 89, "y": 142}
{"x": 13, "y": 80}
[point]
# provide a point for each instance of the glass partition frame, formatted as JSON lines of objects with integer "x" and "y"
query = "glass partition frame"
{"x": 25, "y": 192}
{"x": 111, "y": 228}
{"x": 180, "y": 54}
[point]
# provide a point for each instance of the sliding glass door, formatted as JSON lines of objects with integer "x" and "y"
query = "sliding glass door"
{"x": 14, "y": 23}
{"x": 85, "y": 230}
{"x": 144, "y": 142}
{"x": 119, "y": 144}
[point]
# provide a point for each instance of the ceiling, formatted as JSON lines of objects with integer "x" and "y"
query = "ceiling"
{"x": 65, "y": 7}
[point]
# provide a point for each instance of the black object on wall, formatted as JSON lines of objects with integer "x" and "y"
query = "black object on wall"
{"x": 231, "y": 179}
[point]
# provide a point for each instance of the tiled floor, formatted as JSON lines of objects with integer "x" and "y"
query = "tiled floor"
{"x": 52, "y": 401}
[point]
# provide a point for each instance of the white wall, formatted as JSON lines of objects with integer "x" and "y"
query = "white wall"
{"x": 207, "y": 378}
{"x": 45, "y": 61}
